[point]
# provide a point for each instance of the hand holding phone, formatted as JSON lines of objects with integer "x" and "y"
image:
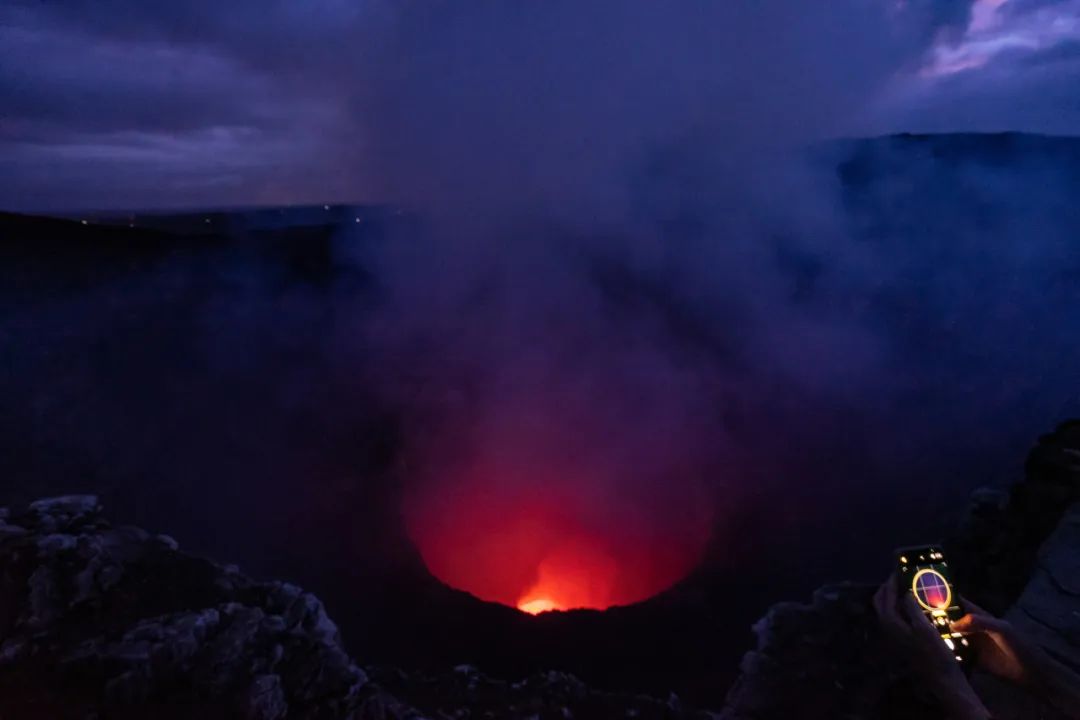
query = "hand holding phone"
{"x": 909, "y": 607}
{"x": 924, "y": 572}
{"x": 908, "y": 633}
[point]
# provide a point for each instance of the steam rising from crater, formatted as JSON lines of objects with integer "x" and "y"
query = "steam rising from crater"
{"x": 597, "y": 300}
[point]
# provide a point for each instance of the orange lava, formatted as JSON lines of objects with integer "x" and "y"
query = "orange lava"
{"x": 554, "y": 539}
{"x": 539, "y": 605}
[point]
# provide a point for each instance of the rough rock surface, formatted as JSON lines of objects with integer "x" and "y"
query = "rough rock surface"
{"x": 99, "y": 621}
{"x": 465, "y": 692}
{"x": 823, "y": 659}
{"x": 996, "y": 545}
{"x": 113, "y": 622}
{"x": 1049, "y": 608}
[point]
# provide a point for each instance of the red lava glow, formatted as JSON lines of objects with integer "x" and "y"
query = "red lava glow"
{"x": 552, "y": 539}
{"x": 537, "y": 606}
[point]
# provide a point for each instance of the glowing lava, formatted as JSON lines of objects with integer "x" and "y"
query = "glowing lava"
{"x": 537, "y": 606}
{"x": 538, "y": 544}
{"x": 555, "y": 486}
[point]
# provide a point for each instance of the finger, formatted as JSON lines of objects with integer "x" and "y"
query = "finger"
{"x": 975, "y": 623}
{"x": 967, "y": 624}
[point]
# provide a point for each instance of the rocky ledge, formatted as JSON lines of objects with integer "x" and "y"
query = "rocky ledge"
{"x": 99, "y": 621}
{"x": 102, "y": 621}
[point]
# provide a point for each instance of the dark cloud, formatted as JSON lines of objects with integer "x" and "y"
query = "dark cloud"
{"x": 1013, "y": 68}
{"x": 554, "y": 100}
{"x": 1016, "y": 8}
{"x": 1020, "y": 90}
{"x": 1067, "y": 52}
{"x": 588, "y": 78}
{"x": 80, "y": 83}
{"x": 123, "y": 107}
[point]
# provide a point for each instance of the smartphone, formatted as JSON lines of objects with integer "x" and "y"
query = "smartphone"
{"x": 924, "y": 572}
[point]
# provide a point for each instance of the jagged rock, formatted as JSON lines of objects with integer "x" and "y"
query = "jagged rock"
{"x": 97, "y": 621}
{"x": 264, "y": 699}
{"x": 1049, "y": 608}
{"x": 823, "y": 659}
{"x": 119, "y": 623}
{"x": 995, "y": 547}
{"x": 69, "y": 511}
{"x": 465, "y": 692}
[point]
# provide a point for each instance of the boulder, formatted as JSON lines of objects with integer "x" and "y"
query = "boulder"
{"x": 116, "y": 622}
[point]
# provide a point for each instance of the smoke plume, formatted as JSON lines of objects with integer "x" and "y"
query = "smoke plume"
{"x": 598, "y": 295}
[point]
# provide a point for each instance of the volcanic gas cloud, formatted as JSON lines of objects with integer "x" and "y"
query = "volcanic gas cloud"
{"x": 565, "y": 495}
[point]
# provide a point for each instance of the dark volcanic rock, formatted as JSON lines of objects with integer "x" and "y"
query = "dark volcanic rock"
{"x": 465, "y": 692}
{"x": 99, "y": 621}
{"x": 115, "y": 622}
{"x": 995, "y": 547}
{"x": 1049, "y": 608}
{"x": 823, "y": 659}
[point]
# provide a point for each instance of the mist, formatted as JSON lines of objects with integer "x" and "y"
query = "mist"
{"x": 601, "y": 298}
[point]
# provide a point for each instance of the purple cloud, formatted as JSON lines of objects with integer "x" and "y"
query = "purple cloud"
{"x": 254, "y": 102}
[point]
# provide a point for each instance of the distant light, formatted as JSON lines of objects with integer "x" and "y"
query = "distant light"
{"x": 903, "y": 559}
{"x": 207, "y": 221}
{"x": 85, "y": 223}
{"x": 325, "y": 207}
{"x": 357, "y": 219}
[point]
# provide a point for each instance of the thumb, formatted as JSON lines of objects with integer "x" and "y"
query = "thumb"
{"x": 975, "y": 623}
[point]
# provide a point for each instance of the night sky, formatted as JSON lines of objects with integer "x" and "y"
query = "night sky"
{"x": 127, "y": 104}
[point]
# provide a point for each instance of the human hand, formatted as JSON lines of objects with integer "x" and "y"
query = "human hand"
{"x": 920, "y": 643}
{"x": 1004, "y": 651}
{"x": 1000, "y": 649}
